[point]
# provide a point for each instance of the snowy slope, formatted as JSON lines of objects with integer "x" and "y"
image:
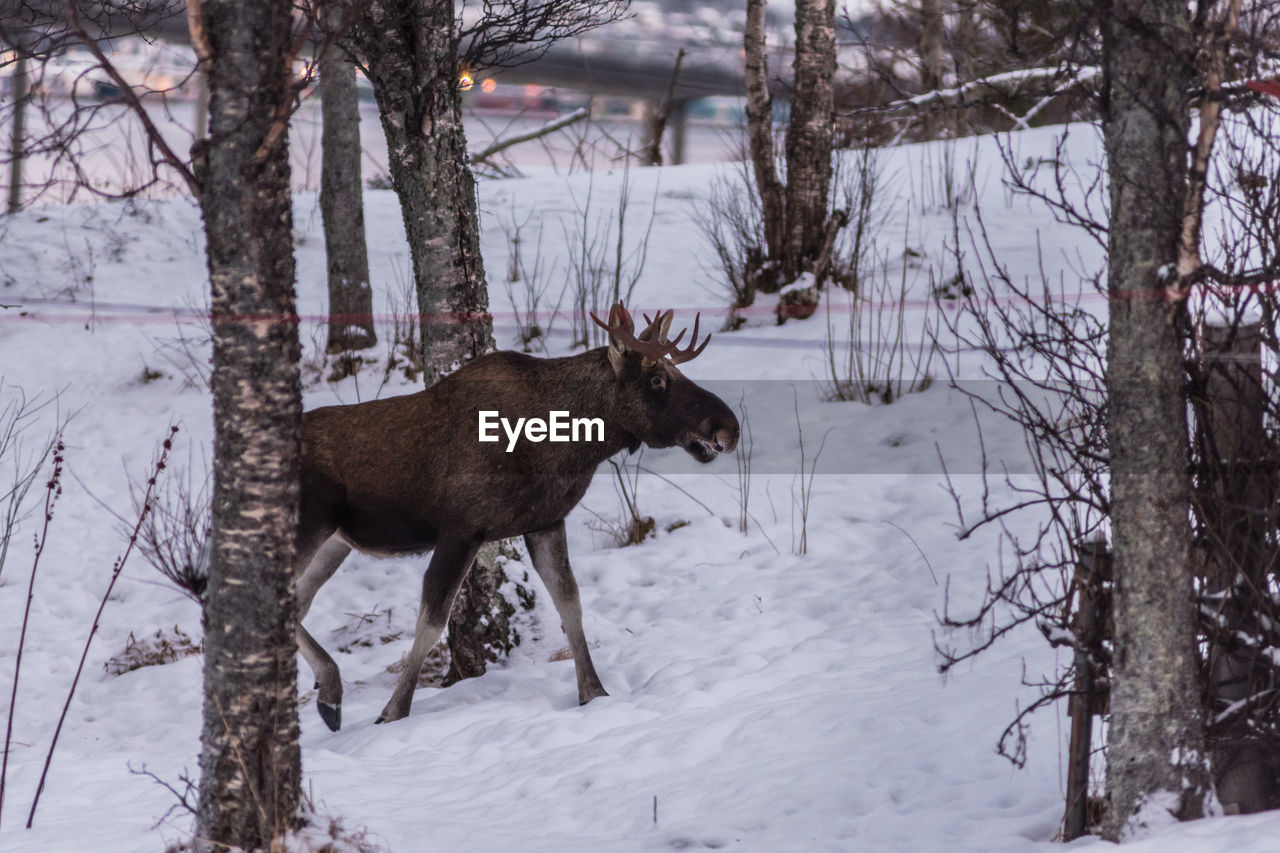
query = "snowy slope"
{"x": 764, "y": 701}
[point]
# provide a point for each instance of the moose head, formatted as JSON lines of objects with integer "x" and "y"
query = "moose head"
{"x": 667, "y": 408}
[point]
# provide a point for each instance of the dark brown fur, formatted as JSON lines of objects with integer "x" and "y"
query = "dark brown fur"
{"x": 408, "y": 474}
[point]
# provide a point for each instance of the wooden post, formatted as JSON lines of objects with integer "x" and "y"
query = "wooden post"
{"x": 1235, "y": 492}
{"x": 1093, "y": 569}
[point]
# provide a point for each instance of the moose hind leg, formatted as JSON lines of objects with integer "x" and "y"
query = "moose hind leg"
{"x": 326, "y": 560}
{"x": 550, "y": 554}
{"x": 449, "y": 565}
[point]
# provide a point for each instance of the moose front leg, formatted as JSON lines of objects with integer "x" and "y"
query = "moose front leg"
{"x": 319, "y": 568}
{"x": 550, "y": 554}
{"x": 449, "y": 565}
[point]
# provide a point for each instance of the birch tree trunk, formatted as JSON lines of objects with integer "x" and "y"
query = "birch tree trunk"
{"x": 1157, "y": 762}
{"x": 342, "y": 208}
{"x": 809, "y": 134}
{"x": 18, "y": 130}
{"x": 411, "y": 54}
{"x": 250, "y": 763}
{"x": 759, "y": 111}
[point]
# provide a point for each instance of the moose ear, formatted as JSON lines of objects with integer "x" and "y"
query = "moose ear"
{"x": 617, "y": 354}
{"x": 651, "y": 345}
{"x": 658, "y": 331}
{"x": 619, "y": 325}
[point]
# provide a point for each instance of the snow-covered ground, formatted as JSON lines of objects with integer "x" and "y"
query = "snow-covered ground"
{"x": 760, "y": 700}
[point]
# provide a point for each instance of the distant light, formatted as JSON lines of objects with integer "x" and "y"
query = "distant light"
{"x": 465, "y": 81}
{"x": 488, "y": 85}
{"x": 532, "y": 90}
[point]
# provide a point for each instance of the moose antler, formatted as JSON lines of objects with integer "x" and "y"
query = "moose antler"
{"x": 650, "y": 344}
{"x": 689, "y": 353}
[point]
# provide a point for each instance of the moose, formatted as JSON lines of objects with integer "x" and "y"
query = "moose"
{"x": 408, "y": 474}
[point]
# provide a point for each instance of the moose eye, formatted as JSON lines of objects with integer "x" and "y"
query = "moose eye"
{"x": 658, "y": 382}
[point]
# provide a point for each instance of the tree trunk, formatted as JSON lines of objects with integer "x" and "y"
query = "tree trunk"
{"x": 250, "y": 763}
{"x": 931, "y": 60}
{"x": 930, "y": 45}
{"x": 18, "y": 130}
{"x": 657, "y": 114}
{"x": 1236, "y": 492}
{"x": 964, "y": 50}
{"x": 201, "y": 131}
{"x": 411, "y": 56}
{"x": 809, "y": 134}
{"x": 1156, "y": 761}
{"x": 964, "y": 44}
{"x": 342, "y": 209}
{"x": 759, "y": 111}
{"x": 480, "y": 626}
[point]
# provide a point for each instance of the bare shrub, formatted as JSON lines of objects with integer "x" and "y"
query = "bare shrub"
{"x": 165, "y": 646}
{"x": 533, "y": 323}
{"x": 1046, "y": 357}
{"x": 629, "y": 526}
{"x": 1047, "y": 352}
{"x": 802, "y": 488}
{"x": 174, "y": 537}
{"x": 886, "y": 346}
{"x": 366, "y": 630}
{"x": 315, "y": 833}
{"x": 157, "y": 469}
{"x": 939, "y": 183}
{"x": 53, "y": 490}
{"x": 880, "y": 354}
{"x": 20, "y": 458}
{"x": 602, "y": 269}
{"x": 731, "y": 222}
{"x": 404, "y": 343}
{"x": 190, "y": 352}
{"x": 742, "y": 456}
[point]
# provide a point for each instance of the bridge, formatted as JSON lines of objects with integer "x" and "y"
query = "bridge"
{"x": 607, "y": 67}
{"x": 610, "y": 67}
{"x": 600, "y": 65}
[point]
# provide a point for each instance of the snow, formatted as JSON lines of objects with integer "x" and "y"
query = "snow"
{"x": 763, "y": 701}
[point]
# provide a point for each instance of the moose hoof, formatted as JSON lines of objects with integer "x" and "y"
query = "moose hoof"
{"x": 595, "y": 693}
{"x": 396, "y": 709}
{"x": 331, "y": 714}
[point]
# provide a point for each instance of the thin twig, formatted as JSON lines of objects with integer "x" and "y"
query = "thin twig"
{"x": 52, "y": 491}
{"x": 677, "y": 486}
{"x": 500, "y": 145}
{"x": 154, "y": 136}
{"x": 166, "y": 446}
